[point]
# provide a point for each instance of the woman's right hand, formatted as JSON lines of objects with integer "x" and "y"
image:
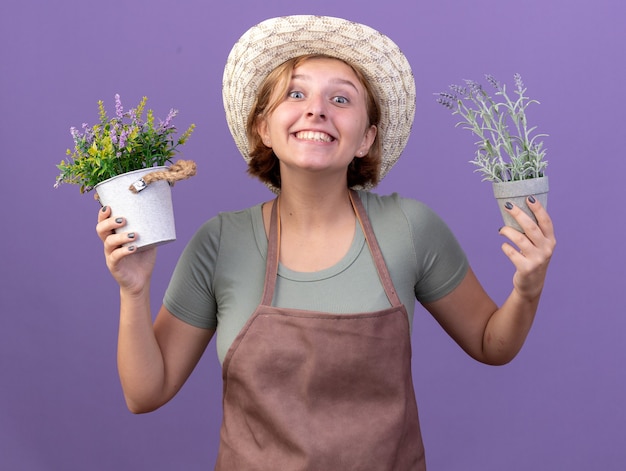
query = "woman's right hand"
{"x": 130, "y": 268}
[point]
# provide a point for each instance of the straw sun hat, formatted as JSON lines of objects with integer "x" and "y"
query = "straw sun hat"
{"x": 270, "y": 43}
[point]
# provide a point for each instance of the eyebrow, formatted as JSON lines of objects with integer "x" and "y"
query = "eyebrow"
{"x": 337, "y": 81}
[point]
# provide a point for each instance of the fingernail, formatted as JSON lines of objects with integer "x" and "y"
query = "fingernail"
{"x": 508, "y": 205}
{"x": 131, "y": 248}
{"x": 531, "y": 199}
{"x": 119, "y": 220}
{"x": 500, "y": 229}
{"x": 131, "y": 235}
{"x": 104, "y": 209}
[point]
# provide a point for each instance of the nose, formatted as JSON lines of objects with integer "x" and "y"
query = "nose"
{"x": 316, "y": 107}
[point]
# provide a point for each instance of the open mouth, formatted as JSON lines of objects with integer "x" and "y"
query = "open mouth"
{"x": 315, "y": 136}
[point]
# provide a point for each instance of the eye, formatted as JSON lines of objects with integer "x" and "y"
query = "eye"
{"x": 342, "y": 100}
{"x": 295, "y": 94}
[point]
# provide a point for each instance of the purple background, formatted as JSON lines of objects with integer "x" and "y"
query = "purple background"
{"x": 558, "y": 405}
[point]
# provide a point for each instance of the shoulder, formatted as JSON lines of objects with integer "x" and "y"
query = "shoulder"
{"x": 225, "y": 230}
{"x": 386, "y": 208}
{"x": 228, "y": 221}
{"x": 377, "y": 202}
{"x": 401, "y": 221}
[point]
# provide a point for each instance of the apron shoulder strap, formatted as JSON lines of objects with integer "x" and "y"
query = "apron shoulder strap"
{"x": 377, "y": 254}
{"x": 271, "y": 265}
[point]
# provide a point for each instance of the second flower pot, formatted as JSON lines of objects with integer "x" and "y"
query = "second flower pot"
{"x": 516, "y": 192}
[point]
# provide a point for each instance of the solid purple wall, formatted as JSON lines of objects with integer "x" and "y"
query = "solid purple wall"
{"x": 559, "y": 405}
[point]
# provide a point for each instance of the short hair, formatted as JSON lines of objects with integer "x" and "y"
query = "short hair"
{"x": 263, "y": 164}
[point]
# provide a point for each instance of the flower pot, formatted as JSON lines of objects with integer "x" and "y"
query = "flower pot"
{"x": 516, "y": 192}
{"x": 149, "y": 213}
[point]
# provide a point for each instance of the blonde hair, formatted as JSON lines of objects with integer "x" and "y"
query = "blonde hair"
{"x": 263, "y": 164}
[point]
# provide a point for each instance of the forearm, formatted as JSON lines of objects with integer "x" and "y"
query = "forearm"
{"x": 507, "y": 329}
{"x": 139, "y": 358}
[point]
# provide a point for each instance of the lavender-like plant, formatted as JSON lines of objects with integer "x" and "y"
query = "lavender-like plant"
{"x": 118, "y": 145}
{"x": 501, "y": 155}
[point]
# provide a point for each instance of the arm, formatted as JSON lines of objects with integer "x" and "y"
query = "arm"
{"x": 154, "y": 361}
{"x": 495, "y": 335}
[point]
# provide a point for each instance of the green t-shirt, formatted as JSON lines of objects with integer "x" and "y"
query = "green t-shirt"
{"x": 218, "y": 281}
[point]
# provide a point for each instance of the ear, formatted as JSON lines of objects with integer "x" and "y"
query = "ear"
{"x": 263, "y": 131}
{"x": 368, "y": 140}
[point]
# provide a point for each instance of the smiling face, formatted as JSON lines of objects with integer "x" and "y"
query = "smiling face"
{"x": 317, "y": 119}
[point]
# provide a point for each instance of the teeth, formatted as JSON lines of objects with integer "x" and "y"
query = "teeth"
{"x": 314, "y": 136}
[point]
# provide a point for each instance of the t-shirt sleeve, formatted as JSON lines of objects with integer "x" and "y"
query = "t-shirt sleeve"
{"x": 190, "y": 295}
{"x": 442, "y": 263}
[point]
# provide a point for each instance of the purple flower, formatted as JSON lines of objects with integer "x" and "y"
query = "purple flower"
{"x": 445, "y": 103}
{"x": 114, "y": 133}
{"x": 458, "y": 89}
{"x": 518, "y": 83}
{"x": 171, "y": 115}
{"x": 475, "y": 88}
{"x": 132, "y": 114}
{"x": 493, "y": 82}
{"x": 88, "y": 135}
{"x": 123, "y": 136}
{"x": 119, "y": 111}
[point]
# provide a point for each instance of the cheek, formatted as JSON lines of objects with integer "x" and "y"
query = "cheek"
{"x": 275, "y": 127}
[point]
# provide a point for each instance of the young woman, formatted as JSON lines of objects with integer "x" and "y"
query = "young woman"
{"x": 312, "y": 294}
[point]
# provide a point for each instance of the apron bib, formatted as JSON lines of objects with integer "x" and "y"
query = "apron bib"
{"x": 307, "y": 390}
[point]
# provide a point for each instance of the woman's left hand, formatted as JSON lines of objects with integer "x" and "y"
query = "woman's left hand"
{"x": 535, "y": 245}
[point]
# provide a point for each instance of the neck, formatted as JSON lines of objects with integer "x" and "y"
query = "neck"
{"x": 315, "y": 208}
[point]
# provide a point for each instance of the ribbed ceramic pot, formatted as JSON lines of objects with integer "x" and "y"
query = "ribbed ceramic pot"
{"x": 516, "y": 192}
{"x": 149, "y": 213}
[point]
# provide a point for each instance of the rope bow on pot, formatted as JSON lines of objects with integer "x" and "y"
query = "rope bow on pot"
{"x": 180, "y": 170}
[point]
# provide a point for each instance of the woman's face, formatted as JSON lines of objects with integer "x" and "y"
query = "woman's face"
{"x": 321, "y": 124}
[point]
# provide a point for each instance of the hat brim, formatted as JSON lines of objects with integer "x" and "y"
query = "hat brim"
{"x": 272, "y": 42}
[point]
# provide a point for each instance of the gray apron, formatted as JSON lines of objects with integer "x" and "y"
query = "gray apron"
{"x": 306, "y": 390}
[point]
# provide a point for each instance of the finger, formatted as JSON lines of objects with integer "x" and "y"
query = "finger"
{"x": 104, "y": 213}
{"x": 116, "y": 240}
{"x": 103, "y": 227}
{"x": 531, "y": 244}
{"x": 523, "y": 218}
{"x": 529, "y": 250}
{"x": 530, "y": 227}
{"x": 540, "y": 232}
{"x": 543, "y": 218}
{"x": 120, "y": 252}
{"x": 108, "y": 225}
{"x": 519, "y": 260}
{"x": 516, "y": 256}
